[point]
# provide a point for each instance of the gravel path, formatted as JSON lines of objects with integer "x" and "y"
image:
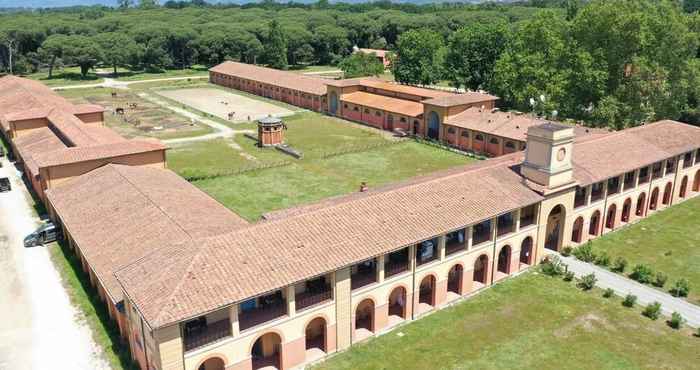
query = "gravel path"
{"x": 40, "y": 329}
{"x": 645, "y": 294}
{"x": 117, "y": 84}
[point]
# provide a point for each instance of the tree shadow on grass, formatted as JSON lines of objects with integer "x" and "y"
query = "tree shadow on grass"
{"x": 71, "y": 76}
{"x": 102, "y": 321}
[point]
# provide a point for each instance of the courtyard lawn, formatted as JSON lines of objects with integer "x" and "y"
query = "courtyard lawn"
{"x": 668, "y": 241}
{"x": 253, "y": 193}
{"x": 528, "y": 322}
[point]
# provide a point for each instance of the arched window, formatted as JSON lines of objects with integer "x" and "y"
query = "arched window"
{"x": 577, "y": 231}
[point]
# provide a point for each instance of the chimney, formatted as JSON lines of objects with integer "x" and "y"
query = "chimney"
{"x": 548, "y": 155}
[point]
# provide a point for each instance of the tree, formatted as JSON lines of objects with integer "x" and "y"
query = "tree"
{"x": 123, "y": 4}
{"x": 276, "y": 47}
{"x": 148, "y": 4}
{"x": 117, "y": 48}
{"x": 419, "y": 58}
{"x": 82, "y": 51}
{"x": 51, "y": 50}
{"x": 473, "y": 52}
{"x": 330, "y": 43}
{"x": 361, "y": 64}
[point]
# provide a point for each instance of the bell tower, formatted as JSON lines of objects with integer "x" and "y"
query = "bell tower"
{"x": 548, "y": 156}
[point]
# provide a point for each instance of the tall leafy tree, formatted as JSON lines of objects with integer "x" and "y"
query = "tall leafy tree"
{"x": 276, "y": 46}
{"x": 420, "y": 57}
{"x": 51, "y": 51}
{"x": 81, "y": 51}
{"x": 117, "y": 49}
{"x": 473, "y": 52}
{"x": 361, "y": 64}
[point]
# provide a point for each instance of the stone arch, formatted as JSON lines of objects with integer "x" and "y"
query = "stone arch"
{"x": 316, "y": 333}
{"x": 667, "y": 194}
{"x": 654, "y": 199}
{"x": 684, "y": 187}
{"x": 267, "y": 351}
{"x": 455, "y": 277}
{"x": 611, "y": 216}
{"x": 503, "y": 262}
{"x": 215, "y": 361}
{"x": 594, "y": 226}
{"x": 526, "y": 251}
{"x": 555, "y": 228}
{"x": 364, "y": 315}
{"x": 433, "y": 125}
{"x": 398, "y": 301}
{"x": 481, "y": 269}
{"x": 696, "y": 181}
{"x": 641, "y": 205}
{"x": 427, "y": 289}
{"x": 626, "y": 210}
{"x": 577, "y": 231}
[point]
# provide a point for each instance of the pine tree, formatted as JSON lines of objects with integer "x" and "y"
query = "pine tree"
{"x": 276, "y": 47}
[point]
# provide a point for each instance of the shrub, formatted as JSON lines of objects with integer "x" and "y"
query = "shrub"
{"x": 585, "y": 253}
{"x": 566, "y": 251}
{"x": 681, "y": 288}
{"x": 568, "y": 276}
{"x": 553, "y": 266}
{"x": 677, "y": 321}
{"x": 629, "y": 300}
{"x": 587, "y": 282}
{"x": 603, "y": 260}
{"x": 619, "y": 265}
{"x": 652, "y": 310}
{"x": 608, "y": 293}
{"x": 660, "y": 280}
{"x": 642, "y": 273}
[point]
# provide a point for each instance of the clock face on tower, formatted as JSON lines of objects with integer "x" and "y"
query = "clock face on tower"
{"x": 561, "y": 154}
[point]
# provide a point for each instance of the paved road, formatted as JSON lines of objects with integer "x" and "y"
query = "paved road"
{"x": 645, "y": 294}
{"x": 40, "y": 329}
{"x": 117, "y": 84}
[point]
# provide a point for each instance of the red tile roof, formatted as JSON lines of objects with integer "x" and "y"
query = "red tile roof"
{"x": 89, "y": 153}
{"x": 37, "y": 142}
{"x": 287, "y": 80}
{"x": 399, "y": 106}
{"x": 117, "y": 214}
{"x": 469, "y": 97}
{"x": 183, "y": 280}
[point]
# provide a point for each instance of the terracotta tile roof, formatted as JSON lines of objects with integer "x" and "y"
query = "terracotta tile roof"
{"x": 20, "y": 94}
{"x": 506, "y": 124}
{"x": 32, "y": 113}
{"x": 405, "y": 89}
{"x": 35, "y": 143}
{"x": 87, "y": 108}
{"x": 88, "y": 153}
{"x": 394, "y": 105}
{"x": 603, "y": 156}
{"x": 469, "y": 97}
{"x": 288, "y": 80}
{"x": 180, "y": 281}
{"x": 117, "y": 214}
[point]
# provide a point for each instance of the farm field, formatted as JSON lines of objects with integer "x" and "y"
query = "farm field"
{"x": 531, "y": 321}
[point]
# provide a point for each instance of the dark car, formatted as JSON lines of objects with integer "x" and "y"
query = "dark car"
{"x": 2, "y": 151}
{"x": 47, "y": 233}
{"x": 5, "y": 184}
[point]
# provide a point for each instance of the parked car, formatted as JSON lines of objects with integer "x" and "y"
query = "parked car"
{"x": 2, "y": 151}
{"x": 5, "y": 184}
{"x": 47, "y": 233}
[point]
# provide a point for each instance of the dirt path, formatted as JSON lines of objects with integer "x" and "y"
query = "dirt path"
{"x": 221, "y": 130}
{"x": 117, "y": 84}
{"x": 40, "y": 329}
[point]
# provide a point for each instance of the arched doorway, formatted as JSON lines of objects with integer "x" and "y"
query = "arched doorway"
{"x": 577, "y": 231}
{"x": 267, "y": 351}
{"x": 640, "y": 205}
{"x": 504, "y": 260}
{"x": 481, "y": 269}
{"x": 397, "y": 302}
{"x": 214, "y": 363}
{"x": 426, "y": 292}
{"x": 654, "y": 199}
{"x": 626, "y": 210}
{"x": 333, "y": 103}
{"x": 555, "y": 228}
{"x": 594, "y": 226}
{"x": 454, "y": 279}
{"x": 389, "y": 122}
{"x": 610, "y": 218}
{"x": 667, "y": 194}
{"x": 696, "y": 181}
{"x": 684, "y": 187}
{"x": 364, "y": 315}
{"x": 526, "y": 251}
{"x": 433, "y": 125}
{"x": 316, "y": 335}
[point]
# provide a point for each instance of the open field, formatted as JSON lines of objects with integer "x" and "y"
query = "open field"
{"x": 220, "y": 103}
{"x": 369, "y": 156}
{"x": 141, "y": 118}
{"x": 529, "y": 322}
{"x": 65, "y": 77}
{"x": 668, "y": 241}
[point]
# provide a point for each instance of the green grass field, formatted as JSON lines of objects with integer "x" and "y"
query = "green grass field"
{"x": 529, "y": 322}
{"x": 369, "y": 157}
{"x": 668, "y": 241}
{"x": 65, "y": 77}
